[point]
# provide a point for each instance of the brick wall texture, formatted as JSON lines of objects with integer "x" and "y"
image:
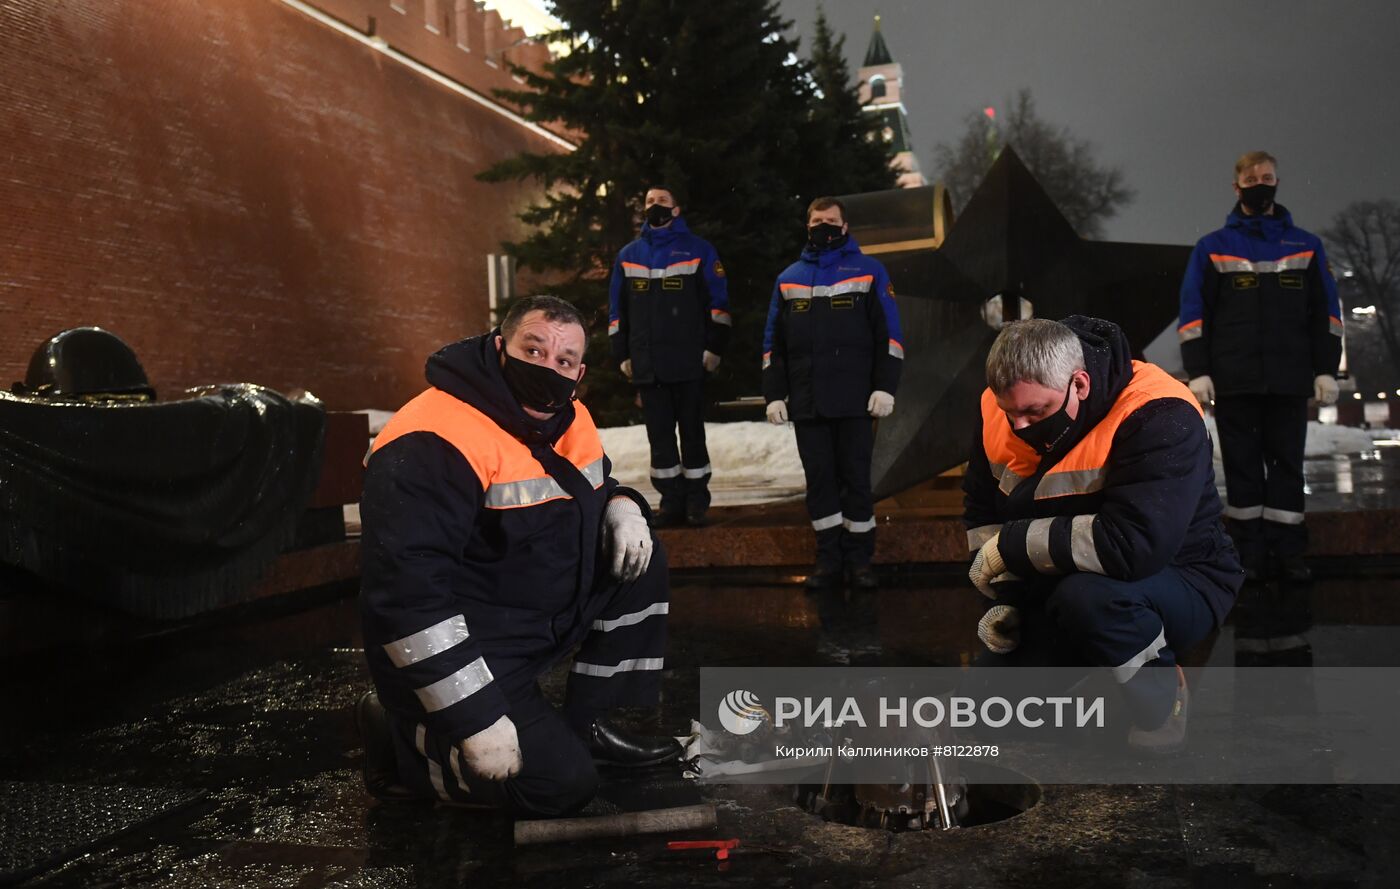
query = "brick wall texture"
{"x": 244, "y": 194}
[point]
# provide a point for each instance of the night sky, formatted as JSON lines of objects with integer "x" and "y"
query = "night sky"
{"x": 1170, "y": 92}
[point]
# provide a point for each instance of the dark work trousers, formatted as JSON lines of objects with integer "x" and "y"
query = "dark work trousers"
{"x": 681, "y": 477}
{"x": 623, "y": 630}
{"x": 1134, "y": 628}
{"x": 1261, "y": 446}
{"x": 836, "y": 460}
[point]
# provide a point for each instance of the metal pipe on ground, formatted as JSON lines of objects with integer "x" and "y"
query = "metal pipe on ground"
{"x": 557, "y": 830}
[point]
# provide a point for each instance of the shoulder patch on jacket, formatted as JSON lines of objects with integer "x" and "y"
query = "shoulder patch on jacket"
{"x": 719, "y": 269}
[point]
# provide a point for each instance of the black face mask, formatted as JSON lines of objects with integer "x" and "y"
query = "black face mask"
{"x": 824, "y": 236}
{"x": 536, "y": 386}
{"x": 658, "y": 216}
{"x": 1044, "y": 435}
{"x": 1258, "y": 198}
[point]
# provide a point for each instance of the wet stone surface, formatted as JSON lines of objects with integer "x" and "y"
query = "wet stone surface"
{"x": 257, "y": 717}
{"x": 1366, "y": 480}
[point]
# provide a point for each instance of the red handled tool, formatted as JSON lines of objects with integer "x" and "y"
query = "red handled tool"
{"x": 721, "y": 847}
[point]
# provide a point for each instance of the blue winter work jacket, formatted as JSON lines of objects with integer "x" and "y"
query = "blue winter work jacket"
{"x": 1259, "y": 308}
{"x": 832, "y": 335}
{"x": 668, "y": 304}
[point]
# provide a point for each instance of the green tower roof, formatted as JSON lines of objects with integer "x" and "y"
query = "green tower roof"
{"x": 877, "y": 53}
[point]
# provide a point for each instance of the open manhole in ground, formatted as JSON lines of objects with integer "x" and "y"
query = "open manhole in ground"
{"x": 983, "y": 795}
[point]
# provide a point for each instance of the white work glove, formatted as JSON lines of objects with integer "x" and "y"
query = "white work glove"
{"x": 628, "y": 537}
{"x": 777, "y": 412}
{"x": 711, "y": 361}
{"x": 1203, "y": 387}
{"x": 881, "y": 404}
{"x": 626, "y": 368}
{"x": 494, "y": 752}
{"x": 1325, "y": 389}
{"x": 987, "y": 566}
{"x": 1000, "y": 629}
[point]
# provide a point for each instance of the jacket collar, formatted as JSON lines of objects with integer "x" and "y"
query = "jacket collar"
{"x": 1270, "y": 227}
{"x": 827, "y": 258}
{"x": 658, "y": 237}
{"x": 470, "y": 370}
{"x": 1108, "y": 359}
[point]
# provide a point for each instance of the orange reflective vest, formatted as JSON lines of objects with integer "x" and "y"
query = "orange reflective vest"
{"x": 510, "y": 477}
{"x": 1085, "y": 468}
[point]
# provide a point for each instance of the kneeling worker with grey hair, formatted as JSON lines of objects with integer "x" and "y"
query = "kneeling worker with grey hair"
{"x": 1091, "y": 506}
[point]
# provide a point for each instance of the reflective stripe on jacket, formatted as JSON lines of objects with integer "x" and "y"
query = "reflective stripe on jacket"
{"x": 668, "y": 304}
{"x": 1259, "y": 308}
{"x": 1128, "y": 496}
{"x": 510, "y": 476}
{"x": 1084, "y": 469}
{"x": 480, "y": 545}
{"x": 833, "y": 334}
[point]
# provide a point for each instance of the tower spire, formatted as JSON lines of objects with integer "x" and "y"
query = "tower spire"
{"x": 877, "y": 53}
{"x": 881, "y": 96}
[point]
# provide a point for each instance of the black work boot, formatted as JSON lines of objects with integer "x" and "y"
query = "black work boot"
{"x": 827, "y": 573}
{"x": 1170, "y": 736}
{"x": 670, "y": 513}
{"x": 1294, "y": 569}
{"x": 697, "y": 502}
{"x": 863, "y": 578}
{"x": 1256, "y": 568}
{"x": 668, "y": 518}
{"x": 381, "y": 767}
{"x": 1248, "y": 535}
{"x": 611, "y": 746}
{"x": 823, "y": 578}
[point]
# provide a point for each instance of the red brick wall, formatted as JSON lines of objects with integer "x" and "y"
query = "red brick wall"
{"x": 470, "y": 45}
{"x": 243, "y": 194}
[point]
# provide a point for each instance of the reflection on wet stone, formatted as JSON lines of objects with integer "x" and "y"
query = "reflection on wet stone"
{"x": 255, "y": 717}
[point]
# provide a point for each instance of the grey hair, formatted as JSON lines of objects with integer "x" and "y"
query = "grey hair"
{"x": 1038, "y": 350}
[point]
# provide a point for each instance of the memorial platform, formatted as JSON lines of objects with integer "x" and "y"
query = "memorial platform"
{"x": 226, "y": 755}
{"x": 1353, "y": 510}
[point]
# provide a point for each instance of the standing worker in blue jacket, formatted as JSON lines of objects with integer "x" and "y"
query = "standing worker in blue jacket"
{"x": 1260, "y": 332}
{"x": 832, "y": 352}
{"x": 495, "y": 541}
{"x": 668, "y": 322}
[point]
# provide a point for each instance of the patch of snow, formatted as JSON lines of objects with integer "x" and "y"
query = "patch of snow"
{"x": 377, "y": 419}
{"x": 751, "y": 462}
{"x": 756, "y": 462}
{"x": 1326, "y": 439}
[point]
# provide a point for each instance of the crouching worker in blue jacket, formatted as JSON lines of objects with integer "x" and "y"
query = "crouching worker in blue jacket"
{"x": 494, "y": 542}
{"x": 1091, "y": 506}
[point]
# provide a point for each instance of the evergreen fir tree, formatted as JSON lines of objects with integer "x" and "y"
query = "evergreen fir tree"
{"x": 710, "y": 99}
{"x": 846, "y": 155}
